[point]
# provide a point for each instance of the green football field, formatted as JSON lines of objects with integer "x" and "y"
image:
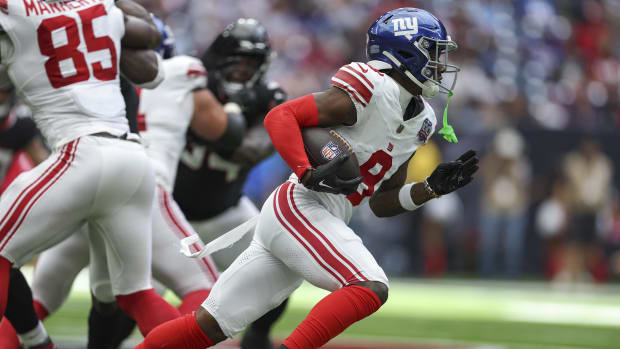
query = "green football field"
{"x": 438, "y": 314}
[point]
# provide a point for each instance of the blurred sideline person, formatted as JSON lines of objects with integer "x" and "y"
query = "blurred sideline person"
{"x": 505, "y": 176}
{"x": 589, "y": 175}
{"x": 97, "y": 172}
{"x": 209, "y": 178}
{"x": 164, "y": 115}
{"x": 302, "y": 231}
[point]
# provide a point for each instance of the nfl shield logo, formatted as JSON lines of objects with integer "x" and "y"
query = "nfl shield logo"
{"x": 330, "y": 151}
{"x": 425, "y": 130}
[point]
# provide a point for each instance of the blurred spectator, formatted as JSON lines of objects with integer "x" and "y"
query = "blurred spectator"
{"x": 589, "y": 175}
{"x": 505, "y": 173}
{"x": 441, "y": 233}
{"x": 552, "y": 223}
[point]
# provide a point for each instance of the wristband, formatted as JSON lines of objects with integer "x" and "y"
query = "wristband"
{"x": 405, "y": 199}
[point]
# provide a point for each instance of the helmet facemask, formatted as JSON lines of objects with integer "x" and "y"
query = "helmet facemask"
{"x": 228, "y": 76}
{"x": 436, "y": 69}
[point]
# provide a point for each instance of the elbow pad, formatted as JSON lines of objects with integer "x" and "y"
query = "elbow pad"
{"x": 233, "y": 136}
{"x": 158, "y": 78}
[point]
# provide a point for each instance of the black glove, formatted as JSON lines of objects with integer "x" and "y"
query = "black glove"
{"x": 324, "y": 178}
{"x": 452, "y": 175}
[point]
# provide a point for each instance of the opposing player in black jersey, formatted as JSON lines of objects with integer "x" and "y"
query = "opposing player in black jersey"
{"x": 209, "y": 179}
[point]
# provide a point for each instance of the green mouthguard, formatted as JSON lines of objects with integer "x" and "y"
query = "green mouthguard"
{"x": 447, "y": 131}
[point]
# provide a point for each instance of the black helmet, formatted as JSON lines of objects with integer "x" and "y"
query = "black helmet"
{"x": 245, "y": 39}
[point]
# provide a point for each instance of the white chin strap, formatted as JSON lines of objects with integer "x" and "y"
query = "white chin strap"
{"x": 429, "y": 89}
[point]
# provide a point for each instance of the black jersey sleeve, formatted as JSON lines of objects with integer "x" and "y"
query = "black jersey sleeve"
{"x": 131, "y": 104}
{"x": 19, "y": 134}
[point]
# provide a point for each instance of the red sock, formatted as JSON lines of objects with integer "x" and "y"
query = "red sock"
{"x": 42, "y": 313}
{"x": 332, "y": 315}
{"x": 147, "y": 308}
{"x": 192, "y": 301}
{"x": 8, "y": 335}
{"x": 181, "y": 333}
{"x": 5, "y": 276}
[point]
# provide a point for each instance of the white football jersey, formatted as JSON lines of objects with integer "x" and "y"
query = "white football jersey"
{"x": 381, "y": 140}
{"x": 63, "y": 59}
{"x": 165, "y": 113}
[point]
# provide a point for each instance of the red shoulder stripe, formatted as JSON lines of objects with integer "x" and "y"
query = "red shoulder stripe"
{"x": 360, "y": 74}
{"x": 4, "y": 6}
{"x": 355, "y": 83}
{"x": 348, "y": 89}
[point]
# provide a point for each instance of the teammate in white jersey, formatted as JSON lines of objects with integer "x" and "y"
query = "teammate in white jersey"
{"x": 165, "y": 113}
{"x": 63, "y": 59}
{"x": 302, "y": 232}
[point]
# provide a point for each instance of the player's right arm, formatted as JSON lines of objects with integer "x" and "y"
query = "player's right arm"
{"x": 331, "y": 107}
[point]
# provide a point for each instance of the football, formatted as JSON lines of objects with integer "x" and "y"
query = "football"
{"x": 322, "y": 145}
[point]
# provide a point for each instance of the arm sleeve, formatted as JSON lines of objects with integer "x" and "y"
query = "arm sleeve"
{"x": 284, "y": 124}
{"x": 131, "y": 104}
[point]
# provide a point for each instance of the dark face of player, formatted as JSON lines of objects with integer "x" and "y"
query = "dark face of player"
{"x": 241, "y": 69}
{"x": 440, "y": 68}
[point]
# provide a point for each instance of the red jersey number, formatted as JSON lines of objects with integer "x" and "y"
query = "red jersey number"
{"x": 378, "y": 158}
{"x": 70, "y": 49}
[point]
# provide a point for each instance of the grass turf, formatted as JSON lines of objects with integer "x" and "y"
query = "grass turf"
{"x": 472, "y": 314}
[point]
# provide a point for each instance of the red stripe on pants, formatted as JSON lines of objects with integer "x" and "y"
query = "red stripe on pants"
{"x": 181, "y": 229}
{"x": 29, "y": 199}
{"x": 344, "y": 274}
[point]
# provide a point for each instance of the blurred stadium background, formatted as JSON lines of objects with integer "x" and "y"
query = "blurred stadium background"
{"x": 526, "y": 257}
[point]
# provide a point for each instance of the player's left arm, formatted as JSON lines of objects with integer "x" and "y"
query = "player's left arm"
{"x": 210, "y": 122}
{"x": 140, "y": 30}
{"x": 395, "y": 197}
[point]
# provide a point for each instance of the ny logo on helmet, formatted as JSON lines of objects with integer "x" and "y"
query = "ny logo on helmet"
{"x": 405, "y": 26}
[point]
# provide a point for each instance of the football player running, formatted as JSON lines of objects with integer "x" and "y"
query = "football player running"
{"x": 236, "y": 63}
{"x": 302, "y": 232}
{"x": 63, "y": 58}
{"x": 165, "y": 113}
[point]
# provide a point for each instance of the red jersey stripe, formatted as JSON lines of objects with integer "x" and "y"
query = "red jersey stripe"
{"x": 349, "y": 90}
{"x": 361, "y": 75}
{"x": 355, "y": 83}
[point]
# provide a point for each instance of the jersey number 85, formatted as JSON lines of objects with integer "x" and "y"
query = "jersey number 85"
{"x": 70, "y": 51}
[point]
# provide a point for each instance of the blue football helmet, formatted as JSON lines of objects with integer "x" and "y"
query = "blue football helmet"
{"x": 167, "y": 47}
{"x": 414, "y": 43}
